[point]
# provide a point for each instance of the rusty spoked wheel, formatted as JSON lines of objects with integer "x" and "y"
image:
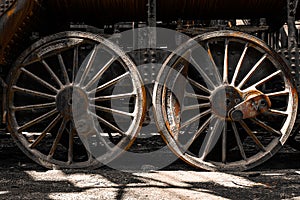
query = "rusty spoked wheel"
{"x": 41, "y": 91}
{"x": 224, "y": 101}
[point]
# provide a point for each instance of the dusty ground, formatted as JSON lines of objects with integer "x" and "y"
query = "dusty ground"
{"x": 279, "y": 178}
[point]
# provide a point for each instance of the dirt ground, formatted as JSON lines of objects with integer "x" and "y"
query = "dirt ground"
{"x": 278, "y": 178}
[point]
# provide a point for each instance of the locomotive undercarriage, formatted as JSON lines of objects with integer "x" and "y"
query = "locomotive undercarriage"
{"x": 232, "y": 114}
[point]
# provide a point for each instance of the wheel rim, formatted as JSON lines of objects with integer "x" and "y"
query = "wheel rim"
{"x": 41, "y": 90}
{"x": 243, "y": 89}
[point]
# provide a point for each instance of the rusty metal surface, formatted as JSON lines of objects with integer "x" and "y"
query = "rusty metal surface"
{"x": 15, "y": 14}
{"x": 254, "y": 104}
{"x": 5, "y": 5}
{"x": 208, "y": 138}
{"x": 12, "y": 21}
{"x": 49, "y": 111}
{"x": 168, "y": 9}
{"x": 102, "y": 12}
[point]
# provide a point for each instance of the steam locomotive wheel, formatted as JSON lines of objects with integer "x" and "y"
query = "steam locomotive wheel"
{"x": 55, "y": 73}
{"x": 224, "y": 101}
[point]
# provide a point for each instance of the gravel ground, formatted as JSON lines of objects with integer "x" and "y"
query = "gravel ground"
{"x": 278, "y": 178}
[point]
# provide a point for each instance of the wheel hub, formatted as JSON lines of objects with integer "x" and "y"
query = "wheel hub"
{"x": 223, "y": 99}
{"x": 254, "y": 104}
{"x": 67, "y": 97}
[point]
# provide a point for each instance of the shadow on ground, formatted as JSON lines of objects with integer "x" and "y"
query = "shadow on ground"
{"x": 20, "y": 178}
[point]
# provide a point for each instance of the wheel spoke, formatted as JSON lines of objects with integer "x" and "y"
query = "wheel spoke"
{"x": 110, "y": 83}
{"x": 275, "y": 94}
{"x": 215, "y": 129}
{"x": 89, "y": 143}
{"x": 197, "y": 117}
{"x": 238, "y": 140}
{"x": 271, "y": 76}
{"x": 197, "y": 96}
{"x": 45, "y": 131}
{"x": 75, "y": 63}
{"x": 110, "y": 110}
{"x": 57, "y": 138}
{"x": 53, "y": 75}
{"x": 266, "y": 127}
{"x": 277, "y": 112}
{"x": 255, "y": 67}
{"x": 105, "y": 142}
{"x": 33, "y": 107}
{"x": 38, "y": 79}
{"x": 199, "y": 86}
{"x": 178, "y": 76}
{"x": 207, "y": 80}
{"x": 33, "y": 93}
{"x": 37, "y": 120}
{"x": 88, "y": 66}
{"x": 197, "y": 106}
{"x": 225, "y": 65}
{"x": 113, "y": 127}
{"x": 219, "y": 78}
{"x": 115, "y": 96}
{"x": 71, "y": 144}
{"x": 32, "y": 61}
{"x": 39, "y": 100}
{"x": 214, "y": 66}
{"x": 239, "y": 65}
{"x": 197, "y": 134}
{"x": 252, "y": 135}
{"x": 224, "y": 142}
{"x": 101, "y": 72}
{"x": 63, "y": 69}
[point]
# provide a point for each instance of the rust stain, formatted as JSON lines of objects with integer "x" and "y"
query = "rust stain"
{"x": 11, "y": 12}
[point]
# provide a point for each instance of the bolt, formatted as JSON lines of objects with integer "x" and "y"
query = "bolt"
{"x": 237, "y": 101}
{"x": 152, "y": 53}
{"x": 146, "y": 54}
{"x": 236, "y": 115}
{"x": 263, "y": 104}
